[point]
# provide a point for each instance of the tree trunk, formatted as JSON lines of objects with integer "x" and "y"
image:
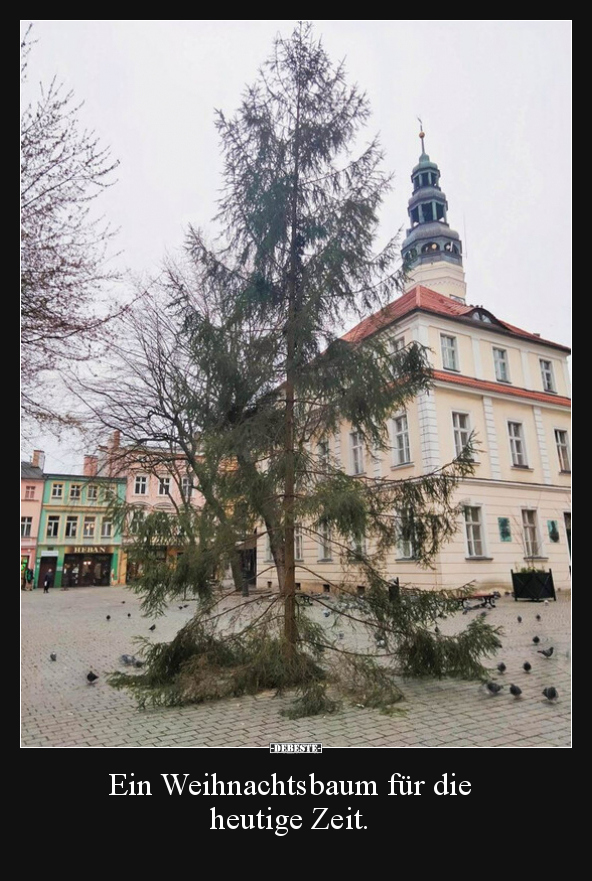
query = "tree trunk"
{"x": 237, "y": 571}
{"x": 290, "y": 630}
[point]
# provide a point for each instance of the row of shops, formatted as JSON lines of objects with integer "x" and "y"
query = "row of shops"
{"x": 75, "y": 566}
{"x": 83, "y": 565}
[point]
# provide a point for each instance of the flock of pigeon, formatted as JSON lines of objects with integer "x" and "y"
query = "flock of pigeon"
{"x": 126, "y": 660}
{"x": 493, "y": 688}
{"x": 550, "y": 692}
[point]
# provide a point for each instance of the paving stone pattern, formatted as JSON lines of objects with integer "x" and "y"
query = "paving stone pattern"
{"x": 61, "y": 710}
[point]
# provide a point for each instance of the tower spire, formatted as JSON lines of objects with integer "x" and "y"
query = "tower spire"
{"x": 421, "y": 136}
{"x": 432, "y": 252}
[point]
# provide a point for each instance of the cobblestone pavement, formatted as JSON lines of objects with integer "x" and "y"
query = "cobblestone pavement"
{"x": 61, "y": 710}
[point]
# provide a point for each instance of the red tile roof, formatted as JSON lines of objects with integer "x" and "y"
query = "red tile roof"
{"x": 423, "y": 299}
{"x": 500, "y": 387}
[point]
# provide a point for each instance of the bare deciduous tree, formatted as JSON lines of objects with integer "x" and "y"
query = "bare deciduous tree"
{"x": 64, "y": 246}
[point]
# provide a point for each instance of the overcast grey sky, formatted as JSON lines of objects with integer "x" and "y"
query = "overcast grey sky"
{"x": 494, "y": 97}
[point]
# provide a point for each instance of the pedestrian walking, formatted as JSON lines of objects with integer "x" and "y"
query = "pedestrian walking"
{"x": 48, "y": 581}
{"x": 29, "y": 579}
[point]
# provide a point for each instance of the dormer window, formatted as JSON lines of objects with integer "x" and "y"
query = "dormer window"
{"x": 480, "y": 315}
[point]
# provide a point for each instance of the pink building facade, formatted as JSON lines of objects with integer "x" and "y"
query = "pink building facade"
{"x": 155, "y": 482}
{"x": 32, "y": 480}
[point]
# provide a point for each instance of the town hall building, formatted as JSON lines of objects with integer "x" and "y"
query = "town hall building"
{"x": 505, "y": 385}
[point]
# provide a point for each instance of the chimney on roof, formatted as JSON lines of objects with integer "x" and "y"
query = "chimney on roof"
{"x": 116, "y": 439}
{"x": 89, "y": 469}
{"x": 38, "y": 459}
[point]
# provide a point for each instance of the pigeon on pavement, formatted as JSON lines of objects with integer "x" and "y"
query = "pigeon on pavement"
{"x": 53, "y": 656}
{"x": 515, "y": 690}
{"x": 108, "y": 617}
{"x": 127, "y": 660}
{"x": 536, "y": 640}
{"x": 546, "y": 652}
{"x": 138, "y": 663}
{"x": 519, "y": 619}
{"x": 538, "y": 617}
{"x": 92, "y": 677}
{"x": 550, "y": 693}
{"x": 153, "y": 627}
{"x": 501, "y": 667}
{"x": 493, "y": 687}
{"x": 527, "y": 667}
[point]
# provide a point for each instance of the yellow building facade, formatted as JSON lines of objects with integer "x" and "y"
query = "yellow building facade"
{"x": 508, "y": 387}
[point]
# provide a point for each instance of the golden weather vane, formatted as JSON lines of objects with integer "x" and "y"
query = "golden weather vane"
{"x": 421, "y": 132}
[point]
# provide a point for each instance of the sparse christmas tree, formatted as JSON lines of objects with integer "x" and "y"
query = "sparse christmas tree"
{"x": 255, "y": 376}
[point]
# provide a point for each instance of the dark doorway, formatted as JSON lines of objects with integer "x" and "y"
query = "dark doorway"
{"x": 567, "y": 520}
{"x": 87, "y": 570}
{"x": 248, "y": 559}
{"x": 45, "y": 565}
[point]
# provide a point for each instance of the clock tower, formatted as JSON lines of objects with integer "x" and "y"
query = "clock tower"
{"x": 432, "y": 252}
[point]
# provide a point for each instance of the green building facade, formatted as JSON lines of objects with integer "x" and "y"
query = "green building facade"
{"x": 78, "y": 539}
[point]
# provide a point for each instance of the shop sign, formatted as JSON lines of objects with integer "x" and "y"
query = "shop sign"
{"x": 89, "y": 549}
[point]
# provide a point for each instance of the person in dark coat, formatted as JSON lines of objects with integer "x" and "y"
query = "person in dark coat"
{"x": 48, "y": 581}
